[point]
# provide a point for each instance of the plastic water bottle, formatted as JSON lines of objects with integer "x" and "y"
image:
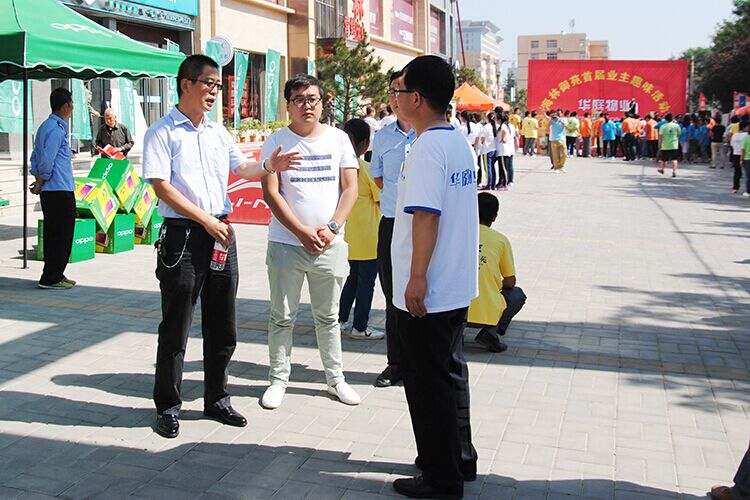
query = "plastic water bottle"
{"x": 219, "y": 254}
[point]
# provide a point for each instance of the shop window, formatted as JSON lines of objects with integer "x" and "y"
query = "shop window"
{"x": 402, "y": 21}
{"x": 252, "y": 97}
{"x": 329, "y": 18}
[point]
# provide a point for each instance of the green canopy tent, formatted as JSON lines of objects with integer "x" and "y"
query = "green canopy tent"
{"x": 42, "y": 39}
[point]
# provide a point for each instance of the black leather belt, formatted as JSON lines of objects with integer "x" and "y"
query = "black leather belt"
{"x": 179, "y": 222}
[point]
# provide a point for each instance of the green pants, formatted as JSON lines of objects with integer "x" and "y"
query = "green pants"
{"x": 288, "y": 266}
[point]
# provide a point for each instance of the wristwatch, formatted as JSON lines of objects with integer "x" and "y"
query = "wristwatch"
{"x": 333, "y": 226}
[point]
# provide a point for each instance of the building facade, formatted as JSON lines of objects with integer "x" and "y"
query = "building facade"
{"x": 481, "y": 45}
{"x": 564, "y": 46}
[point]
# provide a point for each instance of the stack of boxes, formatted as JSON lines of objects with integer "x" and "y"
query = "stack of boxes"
{"x": 116, "y": 211}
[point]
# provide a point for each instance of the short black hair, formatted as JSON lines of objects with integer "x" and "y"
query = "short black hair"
{"x": 59, "y": 98}
{"x": 192, "y": 67}
{"x": 488, "y": 208}
{"x": 394, "y": 75}
{"x": 433, "y": 78}
{"x": 669, "y": 117}
{"x": 358, "y": 131}
{"x": 301, "y": 81}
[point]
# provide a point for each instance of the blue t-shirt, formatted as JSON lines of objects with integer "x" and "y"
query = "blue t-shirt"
{"x": 701, "y": 135}
{"x": 618, "y": 129}
{"x": 683, "y": 133}
{"x": 557, "y": 131}
{"x": 608, "y": 131}
{"x": 691, "y": 132}
{"x": 661, "y": 122}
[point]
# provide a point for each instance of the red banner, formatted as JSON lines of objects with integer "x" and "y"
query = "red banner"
{"x": 607, "y": 86}
{"x": 248, "y": 204}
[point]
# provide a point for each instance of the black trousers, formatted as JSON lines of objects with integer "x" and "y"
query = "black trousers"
{"x": 59, "y": 209}
{"x": 741, "y": 489}
{"x": 184, "y": 275}
{"x": 737, "y": 166}
{"x": 570, "y": 142}
{"x": 630, "y": 144}
{"x": 436, "y": 381}
{"x": 653, "y": 147}
{"x": 385, "y": 274}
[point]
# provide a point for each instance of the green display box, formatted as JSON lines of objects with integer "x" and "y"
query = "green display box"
{"x": 148, "y": 234}
{"x": 95, "y": 198}
{"x": 84, "y": 240}
{"x": 144, "y": 204}
{"x": 120, "y": 237}
{"x": 122, "y": 178}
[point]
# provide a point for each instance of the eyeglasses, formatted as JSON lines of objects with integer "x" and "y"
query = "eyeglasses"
{"x": 210, "y": 83}
{"x": 395, "y": 92}
{"x": 300, "y": 101}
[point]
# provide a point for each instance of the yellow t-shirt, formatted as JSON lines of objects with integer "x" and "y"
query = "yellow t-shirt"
{"x": 495, "y": 262}
{"x": 529, "y": 127}
{"x": 515, "y": 120}
{"x": 361, "y": 232}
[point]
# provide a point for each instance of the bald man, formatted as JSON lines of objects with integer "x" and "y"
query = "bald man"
{"x": 115, "y": 134}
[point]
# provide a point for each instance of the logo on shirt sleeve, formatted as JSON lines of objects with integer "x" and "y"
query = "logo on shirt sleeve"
{"x": 464, "y": 178}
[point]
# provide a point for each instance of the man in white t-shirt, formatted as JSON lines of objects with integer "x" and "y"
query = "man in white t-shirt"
{"x": 305, "y": 238}
{"x": 372, "y": 122}
{"x": 435, "y": 277}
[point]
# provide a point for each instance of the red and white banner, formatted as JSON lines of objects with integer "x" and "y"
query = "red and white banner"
{"x": 607, "y": 86}
{"x": 248, "y": 205}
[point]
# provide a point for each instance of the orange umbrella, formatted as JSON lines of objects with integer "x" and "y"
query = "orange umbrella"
{"x": 497, "y": 102}
{"x": 471, "y": 98}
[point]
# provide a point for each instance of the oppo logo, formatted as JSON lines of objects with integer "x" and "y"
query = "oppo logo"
{"x": 78, "y": 28}
{"x": 124, "y": 233}
{"x": 106, "y": 172}
{"x": 157, "y": 225}
{"x": 81, "y": 241}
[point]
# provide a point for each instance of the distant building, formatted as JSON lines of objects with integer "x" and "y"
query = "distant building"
{"x": 482, "y": 46}
{"x": 564, "y": 46}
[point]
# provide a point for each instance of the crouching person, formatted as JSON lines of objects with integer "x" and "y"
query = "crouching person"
{"x": 499, "y": 298}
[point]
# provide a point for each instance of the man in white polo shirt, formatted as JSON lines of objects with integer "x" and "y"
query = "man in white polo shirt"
{"x": 305, "y": 238}
{"x": 435, "y": 267}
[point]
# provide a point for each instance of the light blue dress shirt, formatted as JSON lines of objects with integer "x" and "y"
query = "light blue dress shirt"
{"x": 389, "y": 150}
{"x": 51, "y": 158}
{"x": 196, "y": 161}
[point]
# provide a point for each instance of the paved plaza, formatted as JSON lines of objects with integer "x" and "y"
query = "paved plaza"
{"x": 626, "y": 377}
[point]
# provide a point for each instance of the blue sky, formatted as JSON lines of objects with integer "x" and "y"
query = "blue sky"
{"x": 638, "y": 29}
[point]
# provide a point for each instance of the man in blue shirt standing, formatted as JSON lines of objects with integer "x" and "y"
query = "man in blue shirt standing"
{"x": 557, "y": 143}
{"x": 390, "y": 147}
{"x": 52, "y": 169}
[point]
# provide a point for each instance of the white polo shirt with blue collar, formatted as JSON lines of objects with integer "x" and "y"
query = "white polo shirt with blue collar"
{"x": 195, "y": 160}
{"x": 439, "y": 177}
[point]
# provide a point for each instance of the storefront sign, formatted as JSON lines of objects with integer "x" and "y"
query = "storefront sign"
{"x": 273, "y": 67}
{"x": 177, "y": 13}
{"x": 127, "y": 104}
{"x": 81, "y": 123}
{"x": 607, "y": 86}
{"x": 240, "y": 74}
{"x": 354, "y": 25}
{"x": 172, "y": 97}
{"x": 402, "y": 21}
{"x": 310, "y": 67}
{"x": 11, "y": 107}
{"x": 213, "y": 50}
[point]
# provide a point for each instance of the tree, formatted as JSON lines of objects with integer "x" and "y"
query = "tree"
{"x": 470, "y": 76}
{"x": 727, "y": 67}
{"x": 699, "y": 56}
{"x": 352, "y": 77}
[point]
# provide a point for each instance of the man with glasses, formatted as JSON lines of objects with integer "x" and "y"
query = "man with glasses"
{"x": 389, "y": 149}
{"x": 435, "y": 261}
{"x": 187, "y": 157}
{"x": 305, "y": 238}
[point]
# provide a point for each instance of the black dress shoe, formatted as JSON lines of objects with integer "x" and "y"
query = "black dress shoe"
{"x": 167, "y": 426}
{"x": 416, "y": 487}
{"x": 469, "y": 473}
{"x": 490, "y": 341}
{"x": 390, "y": 376}
{"x": 226, "y": 415}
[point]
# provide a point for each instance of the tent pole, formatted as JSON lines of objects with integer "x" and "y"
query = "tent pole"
{"x": 25, "y": 165}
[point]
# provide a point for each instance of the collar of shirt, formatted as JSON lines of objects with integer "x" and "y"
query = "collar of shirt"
{"x": 62, "y": 123}
{"x": 179, "y": 118}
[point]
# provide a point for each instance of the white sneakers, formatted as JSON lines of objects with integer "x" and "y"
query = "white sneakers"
{"x": 746, "y": 194}
{"x": 368, "y": 334}
{"x": 273, "y": 397}
{"x": 345, "y": 393}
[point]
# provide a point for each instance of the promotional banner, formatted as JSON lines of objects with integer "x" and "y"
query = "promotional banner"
{"x": 240, "y": 73}
{"x": 81, "y": 122}
{"x": 248, "y": 205}
{"x": 127, "y": 104}
{"x": 607, "y": 86}
{"x": 213, "y": 50}
{"x": 11, "y": 107}
{"x": 172, "y": 82}
{"x": 273, "y": 67}
{"x": 402, "y": 21}
{"x": 310, "y": 67}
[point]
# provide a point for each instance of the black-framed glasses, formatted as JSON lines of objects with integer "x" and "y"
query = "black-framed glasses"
{"x": 210, "y": 83}
{"x": 395, "y": 92}
{"x": 300, "y": 101}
